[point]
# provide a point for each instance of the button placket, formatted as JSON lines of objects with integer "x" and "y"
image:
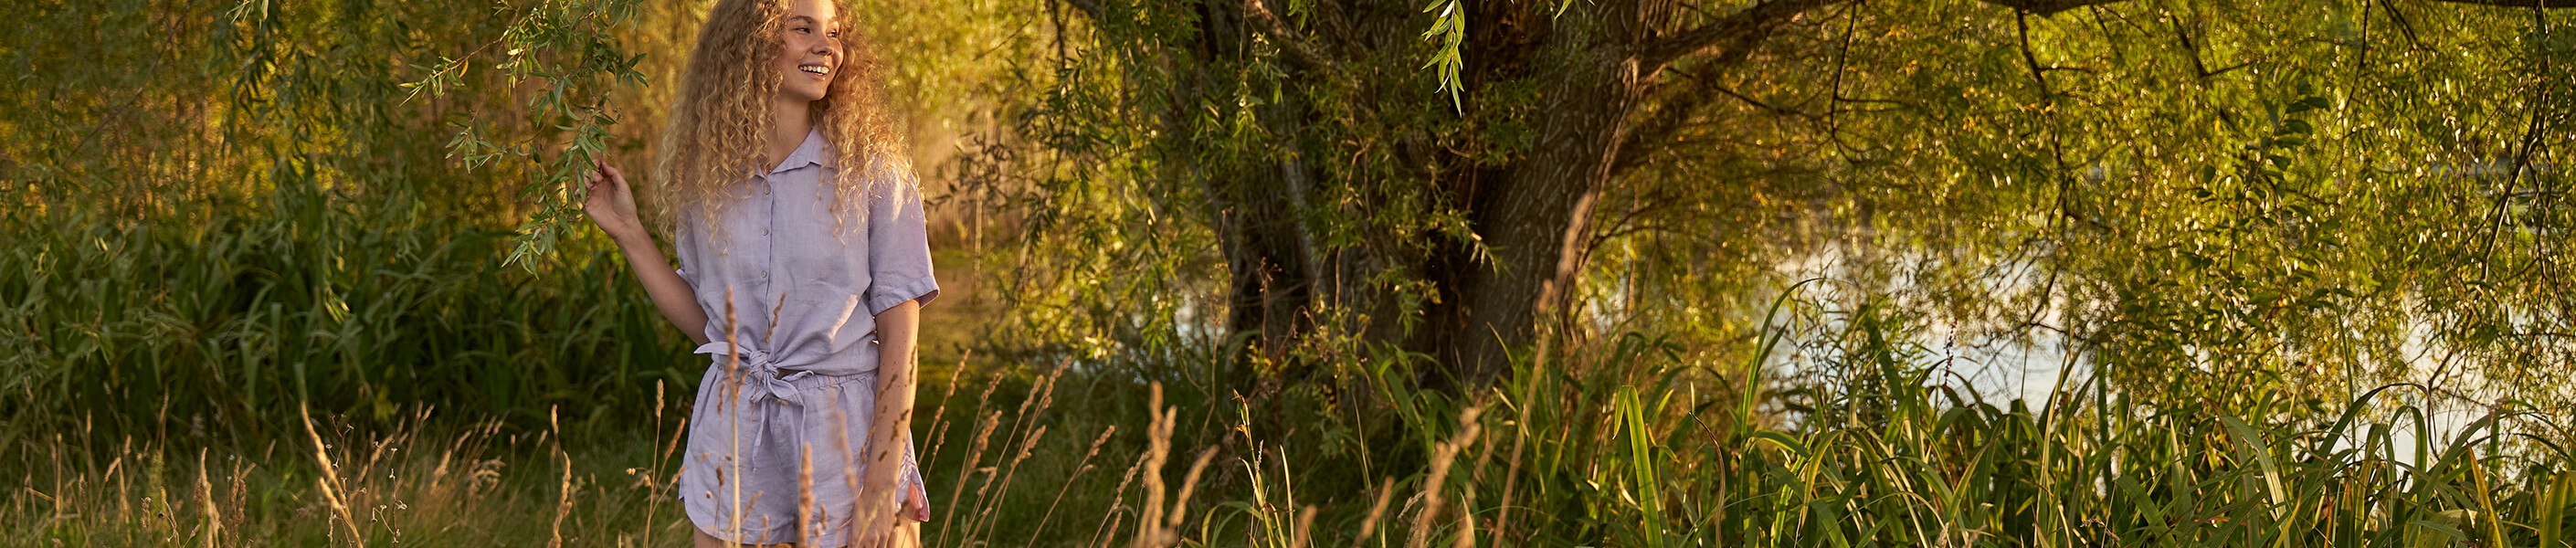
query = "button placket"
{"x": 768, "y": 246}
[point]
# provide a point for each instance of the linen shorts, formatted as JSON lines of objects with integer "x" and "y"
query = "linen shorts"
{"x": 746, "y": 459}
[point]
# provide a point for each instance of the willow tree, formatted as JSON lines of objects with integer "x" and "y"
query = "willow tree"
{"x": 1456, "y": 181}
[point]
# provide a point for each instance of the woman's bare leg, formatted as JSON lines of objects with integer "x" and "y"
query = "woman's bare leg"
{"x": 906, "y": 535}
{"x": 704, "y": 540}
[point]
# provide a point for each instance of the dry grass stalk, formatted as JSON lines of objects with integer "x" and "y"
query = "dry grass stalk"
{"x": 124, "y": 494}
{"x": 206, "y": 502}
{"x": 1079, "y": 467}
{"x": 732, "y": 400}
{"x": 1189, "y": 485}
{"x": 648, "y": 480}
{"x": 1466, "y": 508}
{"x": 1385, "y": 493}
{"x": 876, "y": 517}
{"x": 906, "y": 382}
{"x": 939, "y": 415}
{"x": 983, "y": 519}
{"x": 975, "y": 452}
{"x": 1118, "y": 500}
{"x": 241, "y": 493}
{"x": 330, "y": 479}
{"x": 563, "y": 508}
{"x": 974, "y": 456}
{"x": 1441, "y": 458}
{"x": 1040, "y": 395}
{"x": 397, "y": 494}
{"x": 1511, "y": 476}
{"x": 1304, "y": 533}
{"x": 849, "y": 465}
{"x": 806, "y": 527}
{"x": 1027, "y": 414}
{"x": 1158, "y": 449}
{"x": 1466, "y": 522}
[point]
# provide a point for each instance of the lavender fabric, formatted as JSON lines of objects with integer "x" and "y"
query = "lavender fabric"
{"x": 799, "y": 377}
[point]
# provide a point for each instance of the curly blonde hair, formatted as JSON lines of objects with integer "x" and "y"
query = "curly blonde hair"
{"x": 721, "y": 118}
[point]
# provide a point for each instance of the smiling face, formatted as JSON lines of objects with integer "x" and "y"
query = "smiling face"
{"x": 811, "y": 50}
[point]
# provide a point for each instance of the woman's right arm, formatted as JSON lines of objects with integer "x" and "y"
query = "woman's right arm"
{"x": 611, "y": 205}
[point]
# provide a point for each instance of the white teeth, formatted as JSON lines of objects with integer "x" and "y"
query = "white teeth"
{"x": 815, "y": 70}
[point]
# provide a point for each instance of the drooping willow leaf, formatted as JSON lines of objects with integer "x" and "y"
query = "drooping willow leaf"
{"x": 563, "y": 48}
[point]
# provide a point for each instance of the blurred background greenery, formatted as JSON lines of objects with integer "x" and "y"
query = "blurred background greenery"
{"x": 1611, "y": 273}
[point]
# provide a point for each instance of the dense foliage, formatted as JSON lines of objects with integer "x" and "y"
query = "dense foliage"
{"x": 2303, "y": 264}
{"x": 221, "y": 212}
{"x": 2323, "y": 196}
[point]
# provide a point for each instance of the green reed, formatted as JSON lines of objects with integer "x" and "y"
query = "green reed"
{"x": 157, "y": 363}
{"x": 1628, "y": 456}
{"x": 227, "y": 319}
{"x": 1622, "y": 445}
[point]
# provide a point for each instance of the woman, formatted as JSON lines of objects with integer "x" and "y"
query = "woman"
{"x": 803, "y": 267}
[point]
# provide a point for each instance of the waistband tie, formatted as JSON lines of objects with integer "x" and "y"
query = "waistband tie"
{"x": 761, "y": 380}
{"x": 761, "y": 377}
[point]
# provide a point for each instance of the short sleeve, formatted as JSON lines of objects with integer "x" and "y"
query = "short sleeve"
{"x": 682, "y": 241}
{"x": 898, "y": 248}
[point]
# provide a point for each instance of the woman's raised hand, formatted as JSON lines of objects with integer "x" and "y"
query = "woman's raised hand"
{"x": 611, "y": 204}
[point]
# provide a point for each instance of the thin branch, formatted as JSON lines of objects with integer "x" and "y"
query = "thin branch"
{"x": 2517, "y": 3}
{"x": 2021, "y": 28}
{"x": 1301, "y": 53}
{"x": 2521, "y": 163}
{"x": 1709, "y": 82}
{"x": 2051, "y": 7}
{"x": 1090, "y": 8}
{"x": 1730, "y": 92}
{"x": 1748, "y": 22}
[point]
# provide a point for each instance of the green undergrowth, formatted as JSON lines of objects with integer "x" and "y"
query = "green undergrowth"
{"x": 1616, "y": 446}
{"x": 219, "y": 319}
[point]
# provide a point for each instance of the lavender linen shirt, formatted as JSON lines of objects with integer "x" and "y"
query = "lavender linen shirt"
{"x": 800, "y": 375}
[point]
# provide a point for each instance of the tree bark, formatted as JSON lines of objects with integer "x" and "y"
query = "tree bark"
{"x": 1532, "y": 214}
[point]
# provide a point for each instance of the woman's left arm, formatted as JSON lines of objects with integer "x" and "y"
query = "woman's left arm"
{"x": 900, "y": 283}
{"x": 897, "y": 374}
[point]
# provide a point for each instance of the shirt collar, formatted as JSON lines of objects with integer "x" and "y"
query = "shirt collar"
{"x": 813, "y": 151}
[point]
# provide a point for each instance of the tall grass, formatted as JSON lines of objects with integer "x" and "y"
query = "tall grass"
{"x": 255, "y": 216}
{"x": 426, "y": 481}
{"x": 1617, "y": 446}
{"x": 226, "y": 319}
{"x": 1883, "y": 455}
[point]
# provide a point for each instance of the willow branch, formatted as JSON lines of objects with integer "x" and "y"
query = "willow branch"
{"x": 1300, "y": 52}
{"x": 1740, "y": 25}
{"x": 1090, "y": 8}
{"x": 2049, "y": 7}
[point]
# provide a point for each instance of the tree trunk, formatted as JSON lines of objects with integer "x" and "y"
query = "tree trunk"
{"x": 1531, "y": 213}
{"x": 1595, "y": 61}
{"x": 1595, "y": 66}
{"x": 1271, "y": 281}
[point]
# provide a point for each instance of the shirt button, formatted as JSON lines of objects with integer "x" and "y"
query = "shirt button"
{"x": 764, "y": 232}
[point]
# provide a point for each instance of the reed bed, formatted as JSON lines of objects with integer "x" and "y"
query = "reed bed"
{"x": 241, "y": 398}
{"x": 288, "y": 330}
{"x": 422, "y": 482}
{"x": 1621, "y": 449}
